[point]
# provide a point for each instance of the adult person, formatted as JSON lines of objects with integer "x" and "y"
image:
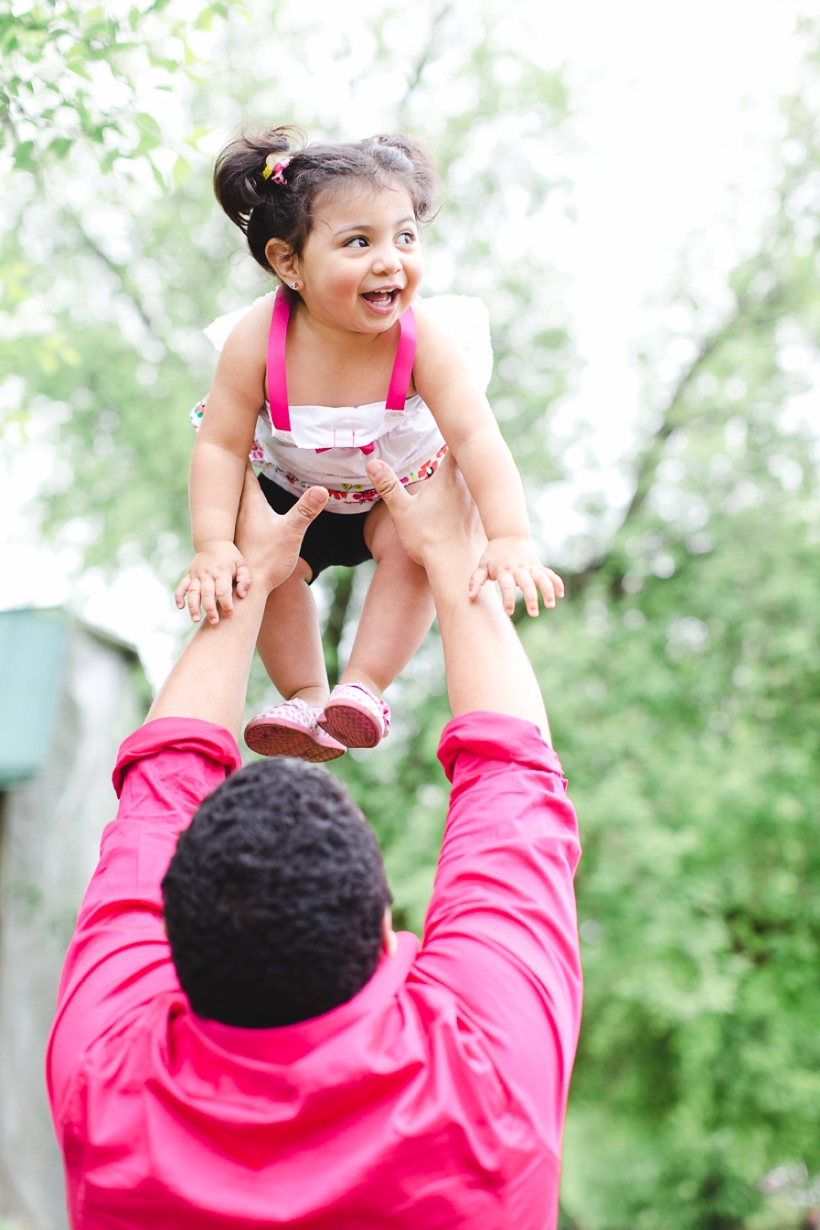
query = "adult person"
{"x": 322, "y": 1071}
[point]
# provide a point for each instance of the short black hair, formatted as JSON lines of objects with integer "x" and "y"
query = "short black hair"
{"x": 274, "y": 898}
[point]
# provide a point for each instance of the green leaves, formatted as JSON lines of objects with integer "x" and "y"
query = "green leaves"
{"x": 23, "y": 156}
{"x": 60, "y": 146}
{"x": 56, "y": 59}
{"x": 687, "y": 672}
{"x": 150, "y": 135}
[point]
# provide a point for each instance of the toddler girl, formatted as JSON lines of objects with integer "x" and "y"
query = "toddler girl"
{"x": 342, "y": 364}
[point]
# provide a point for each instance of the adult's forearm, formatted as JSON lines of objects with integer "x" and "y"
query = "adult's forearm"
{"x": 485, "y": 663}
{"x": 215, "y": 488}
{"x": 210, "y": 679}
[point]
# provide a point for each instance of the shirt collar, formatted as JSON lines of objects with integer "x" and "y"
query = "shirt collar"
{"x": 287, "y": 1043}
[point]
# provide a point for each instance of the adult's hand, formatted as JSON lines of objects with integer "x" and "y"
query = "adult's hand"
{"x": 440, "y": 522}
{"x": 440, "y": 529}
{"x": 269, "y": 542}
{"x": 211, "y": 678}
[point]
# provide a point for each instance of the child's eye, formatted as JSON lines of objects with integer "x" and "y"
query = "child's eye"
{"x": 406, "y": 238}
{"x": 358, "y": 241}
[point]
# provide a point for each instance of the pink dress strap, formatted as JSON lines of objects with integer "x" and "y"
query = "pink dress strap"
{"x": 403, "y": 365}
{"x": 277, "y": 372}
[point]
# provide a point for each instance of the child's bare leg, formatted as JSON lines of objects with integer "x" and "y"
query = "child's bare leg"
{"x": 398, "y": 610}
{"x": 290, "y": 640}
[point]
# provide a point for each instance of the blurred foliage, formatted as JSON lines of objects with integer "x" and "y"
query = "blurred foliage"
{"x": 683, "y": 671}
{"x": 68, "y": 73}
{"x": 686, "y": 684}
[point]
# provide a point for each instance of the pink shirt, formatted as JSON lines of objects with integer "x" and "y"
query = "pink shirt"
{"x": 435, "y": 1098}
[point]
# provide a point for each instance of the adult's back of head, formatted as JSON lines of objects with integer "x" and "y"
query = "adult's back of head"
{"x": 274, "y": 898}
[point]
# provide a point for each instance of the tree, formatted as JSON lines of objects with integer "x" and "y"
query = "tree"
{"x": 69, "y": 75}
{"x": 85, "y": 224}
{"x": 688, "y": 673}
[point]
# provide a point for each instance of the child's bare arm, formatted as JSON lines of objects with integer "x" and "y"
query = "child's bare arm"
{"x": 443, "y": 379}
{"x": 218, "y": 466}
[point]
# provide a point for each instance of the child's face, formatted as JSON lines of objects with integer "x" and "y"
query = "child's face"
{"x": 362, "y": 263}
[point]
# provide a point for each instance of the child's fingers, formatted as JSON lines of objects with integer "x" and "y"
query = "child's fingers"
{"x": 243, "y": 580}
{"x": 557, "y": 583}
{"x": 542, "y": 577}
{"x": 223, "y": 592}
{"x": 527, "y": 585}
{"x": 181, "y": 590}
{"x": 479, "y": 577}
{"x": 194, "y": 599}
{"x": 509, "y": 588}
{"x": 209, "y": 600}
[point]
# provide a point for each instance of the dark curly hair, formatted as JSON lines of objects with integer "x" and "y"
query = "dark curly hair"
{"x": 265, "y": 209}
{"x": 274, "y": 898}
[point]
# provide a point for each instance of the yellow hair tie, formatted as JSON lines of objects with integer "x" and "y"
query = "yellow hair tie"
{"x": 274, "y": 166}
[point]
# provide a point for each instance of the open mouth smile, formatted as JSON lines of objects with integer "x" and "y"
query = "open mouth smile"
{"x": 384, "y": 298}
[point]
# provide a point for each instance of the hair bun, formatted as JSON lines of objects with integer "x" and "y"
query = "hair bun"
{"x": 240, "y": 182}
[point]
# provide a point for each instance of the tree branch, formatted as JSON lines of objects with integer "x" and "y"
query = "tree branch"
{"x": 427, "y": 53}
{"x": 671, "y": 419}
{"x": 648, "y": 461}
{"x": 118, "y": 271}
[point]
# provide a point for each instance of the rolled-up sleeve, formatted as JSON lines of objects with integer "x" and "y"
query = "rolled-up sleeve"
{"x": 501, "y": 929}
{"x": 119, "y": 957}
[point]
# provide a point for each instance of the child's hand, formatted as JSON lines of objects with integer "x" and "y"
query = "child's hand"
{"x": 210, "y": 578}
{"x": 512, "y": 562}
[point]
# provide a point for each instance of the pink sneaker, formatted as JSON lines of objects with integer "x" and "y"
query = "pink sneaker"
{"x": 354, "y": 716}
{"x": 291, "y": 729}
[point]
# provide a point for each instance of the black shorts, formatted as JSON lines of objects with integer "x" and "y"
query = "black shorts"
{"x": 333, "y": 538}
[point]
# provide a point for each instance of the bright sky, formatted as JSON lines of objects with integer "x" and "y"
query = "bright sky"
{"x": 677, "y": 109}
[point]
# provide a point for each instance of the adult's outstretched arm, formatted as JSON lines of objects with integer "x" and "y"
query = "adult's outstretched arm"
{"x": 500, "y": 936}
{"x": 210, "y": 679}
{"x": 439, "y": 528}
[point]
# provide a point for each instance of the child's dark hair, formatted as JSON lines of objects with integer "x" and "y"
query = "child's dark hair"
{"x": 267, "y": 208}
